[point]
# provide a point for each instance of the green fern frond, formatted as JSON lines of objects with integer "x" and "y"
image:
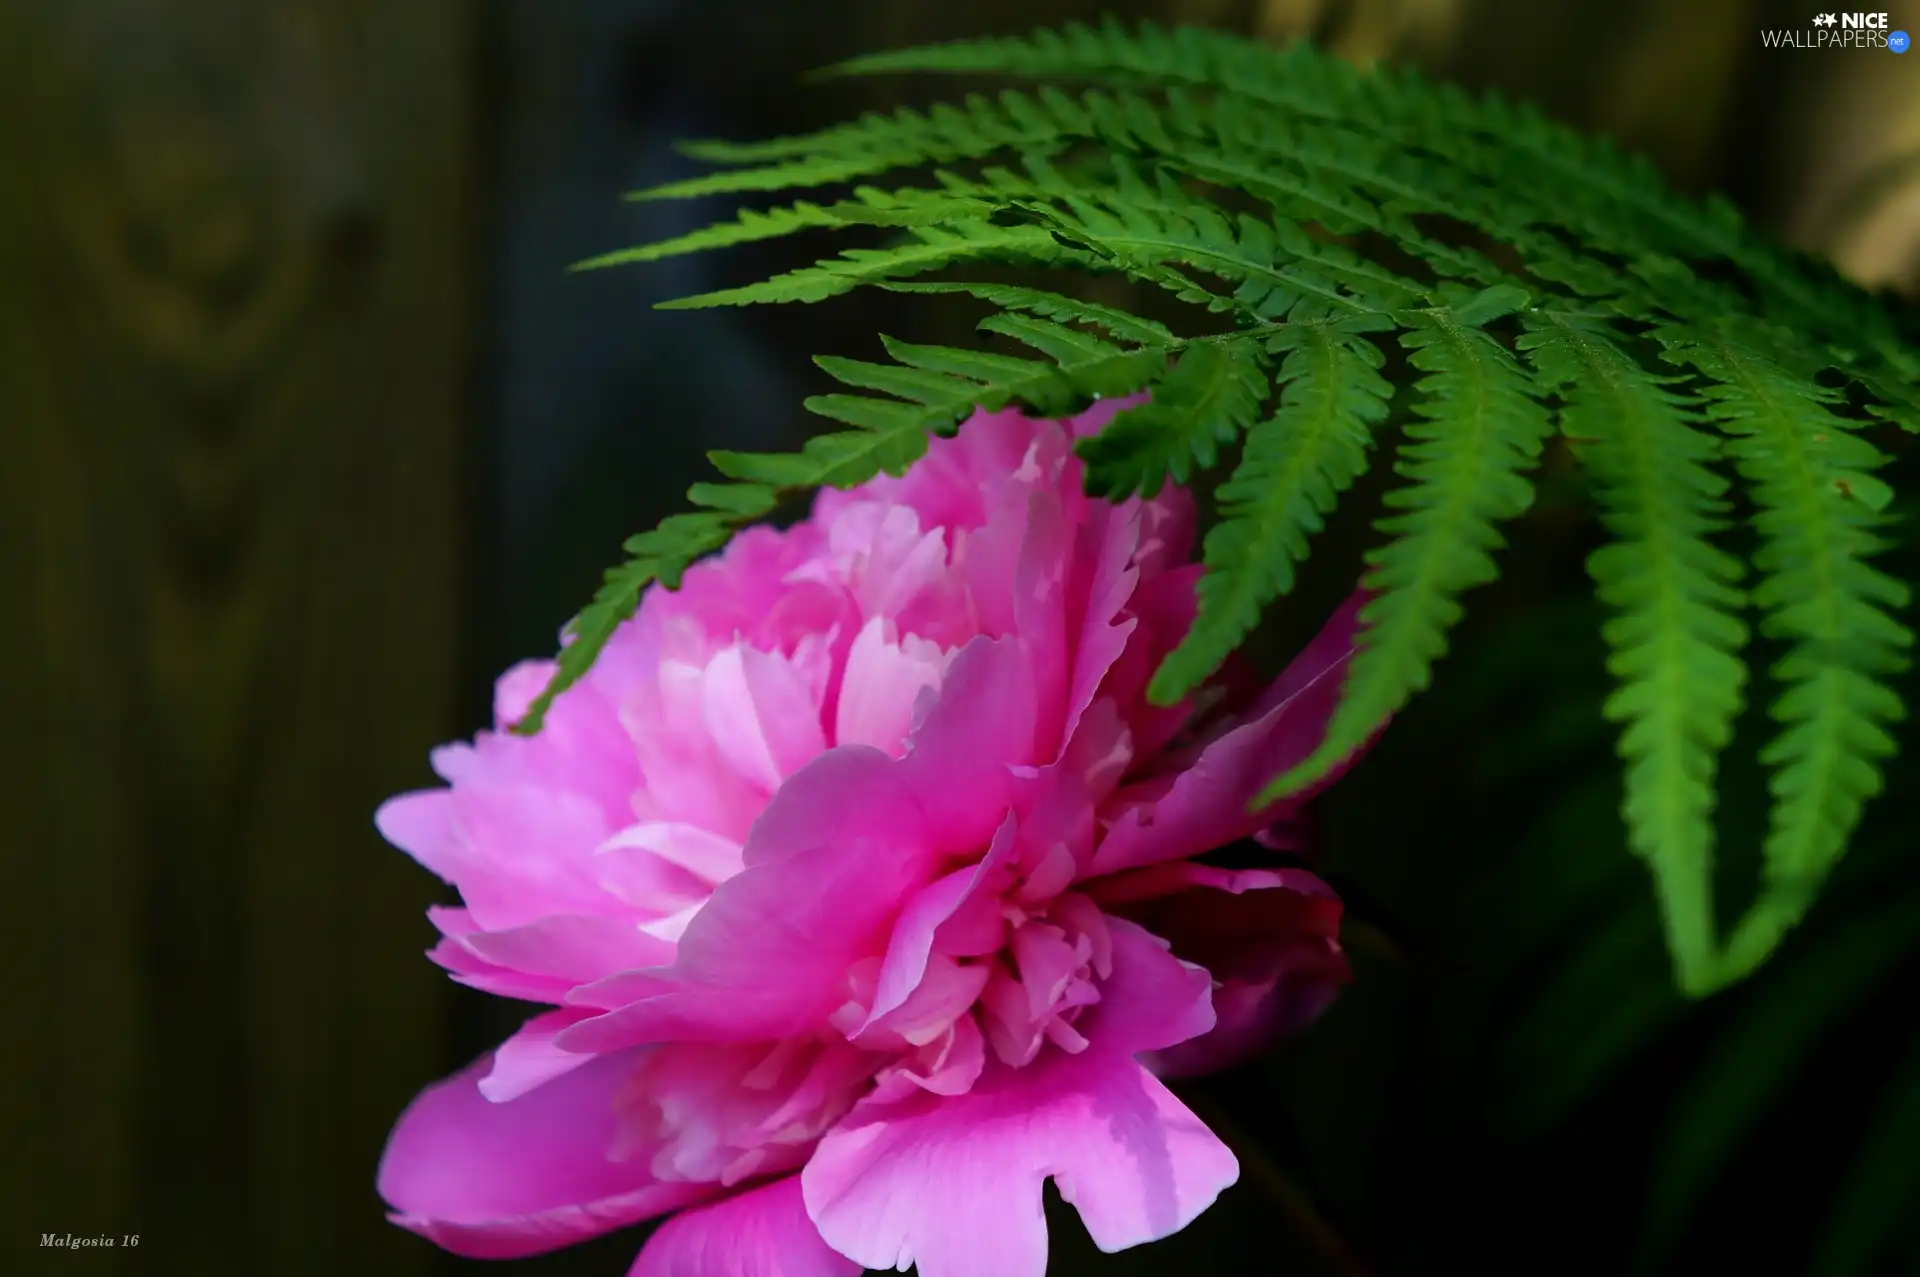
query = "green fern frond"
{"x": 1482, "y": 427}
{"x": 1677, "y": 631}
{"x": 1597, "y": 187}
{"x": 750, "y": 226}
{"x": 1056, "y": 306}
{"x": 1296, "y": 463}
{"x": 1304, "y": 211}
{"x": 1812, "y": 478}
{"x": 660, "y": 555}
{"x": 1208, "y": 399}
{"x": 929, "y": 390}
{"x": 929, "y": 248}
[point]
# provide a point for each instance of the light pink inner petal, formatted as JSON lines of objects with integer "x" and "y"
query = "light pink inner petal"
{"x": 762, "y": 713}
{"x": 421, "y": 824}
{"x": 529, "y": 1058}
{"x": 568, "y": 947}
{"x": 470, "y": 969}
{"x": 708, "y": 856}
{"x": 532, "y": 853}
{"x": 688, "y": 780}
{"x": 885, "y": 674}
{"x": 639, "y": 877}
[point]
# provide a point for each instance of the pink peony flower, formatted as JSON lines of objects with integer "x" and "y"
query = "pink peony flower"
{"x": 860, "y": 876}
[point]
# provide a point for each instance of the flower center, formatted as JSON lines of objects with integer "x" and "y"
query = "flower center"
{"x": 1008, "y": 972}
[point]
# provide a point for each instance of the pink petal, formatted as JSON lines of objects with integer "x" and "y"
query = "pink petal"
{"x": 499, "y": 1181}
{"x": 421, "y": 824}
{"x": 1043, "y": 596}
{"x": 688, "y": 779}
{"x": 469, "y": 969}
{"x": 905, "y": 963}
{"x": 1152, "y": 1000}
{"x": 763, "y": 1232}
{"x": 569, "y": 947}
{"x": 1162, "y": 610}
{"x": 830, "y": 863}
{"x": 1205, "y": 805}
{"x": 948, "y": 1066}
{"x": 531, "y": 850}
{"x": 953, "y": 1183}
{"x": 708, "y": 856}
{"x": 958, "y": 766}
{"x": 1269, "y": 937}
{"x": 885, "y": 675}
{"x": 529, "y": 1058}
{"x": 762, "y": 715}
{"x": 1108, "y": 541}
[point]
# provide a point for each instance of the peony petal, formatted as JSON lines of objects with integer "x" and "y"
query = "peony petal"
{"x": 763, "y": 1232}
{"x": 1162, "y": 609}
{"x": 1205, "y": 804}
{"x": 831, "y": 862}
{"x": 542, "y": 961}
{"x": 531, "y": 850}
{"x": 1108, "y": 539}
{"x": 1269, "y": 937}
{"x": 1152, "y": 1000}
{"x": 469, "y": 969}
{"x": 710, "y": 857}
{"x": 499, "y": 1181}
{"x": 884, "y": 678}
{"x": 905, "y": 963}
{"x": 953, "y": 1183}
{"x": 569, "y": 947}
{"x": 421, "y": 824}
{"x": 529, "y": 1058}
{"x": 1044, "y": 585}
{"x": 982, "y": 725}
{"x": 762, "y": 714}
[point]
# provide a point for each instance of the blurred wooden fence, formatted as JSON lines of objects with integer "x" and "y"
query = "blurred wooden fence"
{"x": 234, "y": 288}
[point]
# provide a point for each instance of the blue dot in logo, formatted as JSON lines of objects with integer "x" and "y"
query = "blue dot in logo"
{"x": 1898, "y": 41}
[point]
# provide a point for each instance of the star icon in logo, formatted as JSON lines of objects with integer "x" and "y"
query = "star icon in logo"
{"x": 1824, "y": 20}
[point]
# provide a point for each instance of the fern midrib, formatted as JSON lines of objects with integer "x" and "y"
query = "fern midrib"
{"x": 1325, "y": 415}
{"x": 1687, "y": 902}
{"x": 1252, "y": 266}
{"x": 851, "y": 272}
{"x": 1214, "y": 166}
{"x": 1806, "y": 487}
{"x": 1479, "y": 441}
{"x": 1787, "y": 892}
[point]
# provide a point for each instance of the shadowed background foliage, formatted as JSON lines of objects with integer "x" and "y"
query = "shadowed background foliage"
{"x": 305, "y": 433}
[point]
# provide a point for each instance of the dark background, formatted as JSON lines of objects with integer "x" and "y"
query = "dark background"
{"x": 306, "y": 432}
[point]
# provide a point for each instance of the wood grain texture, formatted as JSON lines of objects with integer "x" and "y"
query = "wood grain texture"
{"x": 234, "y": 288}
